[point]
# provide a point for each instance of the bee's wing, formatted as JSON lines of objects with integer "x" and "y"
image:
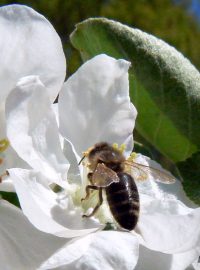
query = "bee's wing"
{"x": 141, "y": 172}
{"x": 104, "y": 176}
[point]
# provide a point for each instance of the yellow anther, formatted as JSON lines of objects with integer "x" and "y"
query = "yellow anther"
{"x": 4, "y": 143}
{"x": 120, "y": 148}
{"x": 132, "y": 156}
{"x": 115, "y": 146}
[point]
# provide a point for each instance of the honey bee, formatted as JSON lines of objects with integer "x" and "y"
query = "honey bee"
{"x": 108, "y": 172}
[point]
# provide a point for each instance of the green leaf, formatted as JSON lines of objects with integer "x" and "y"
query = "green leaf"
{"x": 10, "y": 197}
{"x": 164, "y": 86}
{"x": 190, "y": 172}
{"x": 142, "y": 149}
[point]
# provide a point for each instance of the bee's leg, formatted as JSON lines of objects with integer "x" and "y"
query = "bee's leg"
{"x": 90, "y": 177}
{"x": 87, "y": 190}
{"x": 98, "y": 205}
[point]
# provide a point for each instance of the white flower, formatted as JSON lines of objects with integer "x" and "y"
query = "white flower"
{"x": 29, "y": 46}
{"x": 94, "y": 106}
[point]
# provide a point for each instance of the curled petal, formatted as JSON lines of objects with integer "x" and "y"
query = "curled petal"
{"x": 74, "y": 173}
{"x": 32, "y": 129}
{"x": 96, "y": 102}
{"x": 47, "y": 210}
{"x": 30, "y": 46}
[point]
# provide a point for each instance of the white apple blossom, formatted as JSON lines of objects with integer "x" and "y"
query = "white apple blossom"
{"x": 94, "y": 106}
{"x": 29, "y": 45}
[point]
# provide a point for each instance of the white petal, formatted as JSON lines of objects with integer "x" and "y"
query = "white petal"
{"x": 21, "y": 245}
{"x": 196, "y": 264}
{"x": 108, "y": 250}
{"x": 46, "y": 210}
{"x": 152, "y": 260}
{"x": 94, "y": 104}
{"x": 170, "y": 227}
{"x": 10, "y": 159}
{"x": 32, "y": 129}
{"x": 30, "y": 46}
{"x": 7, "y": 185}
{"x": 69, "y": 253}
{"x": 74, "y": 173}
{"x": 183, "y": 260}
{"x": 149, "y": 259}
{"x": 2, "y": 121}
{"x": 69, "y": 152}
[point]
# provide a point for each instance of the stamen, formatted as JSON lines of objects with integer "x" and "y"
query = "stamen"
{"x": 132, "y": 156}
{"x": 115, "y": 146}
{"x": 4, "y": 143}
{"x": 120, "y": 148}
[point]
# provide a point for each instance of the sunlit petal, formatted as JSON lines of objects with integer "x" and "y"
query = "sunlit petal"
{"x": 30, "y": 46}
{"x": 94, "y": 104}
{"x": 46, "y": 210}
{"x": 23, "y": 246}
{"x": 32, "y": 128}
{"x": 172, "y": 227}
{"x": 149, "y": 259}
{"x": 108, "y": 250}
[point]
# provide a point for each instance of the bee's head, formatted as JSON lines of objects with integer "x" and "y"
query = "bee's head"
{"x": 104, "y": 153}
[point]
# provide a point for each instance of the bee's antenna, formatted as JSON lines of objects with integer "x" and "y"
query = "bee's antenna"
{"x": 81, "y": 160}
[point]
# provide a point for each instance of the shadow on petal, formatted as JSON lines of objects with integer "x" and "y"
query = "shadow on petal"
{"x": 149, "y": 259}
{"x": 72, "y": 219}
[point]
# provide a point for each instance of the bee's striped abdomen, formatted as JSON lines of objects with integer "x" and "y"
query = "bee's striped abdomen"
{"x": 123, "y": 200}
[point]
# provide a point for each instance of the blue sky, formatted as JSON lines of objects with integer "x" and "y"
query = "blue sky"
{"x": 195, "y": 8}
